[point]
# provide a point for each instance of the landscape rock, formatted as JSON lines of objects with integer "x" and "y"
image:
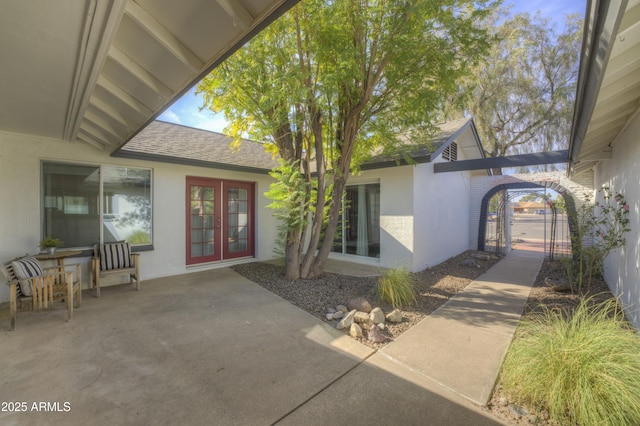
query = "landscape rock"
{"x": 337, "y": 315}
{"x": 381, "y": 326}
{"x": 346, "y": 321}
{"x": 359, "y": 304}
{"x": 481, "y": 256}
{"x": 395, "y": 316}
{"x": 469, "y": 262}
{"x": 355, "y": 330}
{"x": 376, "y": 316}
{"x": 342, "y": 309}
{"x": 362, "y": 318}
{"x": 329, "y": 316}
{"x": 559, "y": 285}
{"x": 375, "y": 335}
{"x": 331, "y": 310}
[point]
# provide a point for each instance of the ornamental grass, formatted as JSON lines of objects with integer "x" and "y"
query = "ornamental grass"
{"x": 582, "y": 367}
{"x": 397, "y": 287}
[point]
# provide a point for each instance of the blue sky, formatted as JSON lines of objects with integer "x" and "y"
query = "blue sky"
{"x": 186, "y": 110}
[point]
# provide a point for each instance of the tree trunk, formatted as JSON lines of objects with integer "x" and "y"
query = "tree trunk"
{"x": 292, "y": 258}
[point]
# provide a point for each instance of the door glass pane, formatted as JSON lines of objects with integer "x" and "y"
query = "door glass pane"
{"x": 202, "y": 221}
{"x": 209, "y": 249}
{"x": 237, "y": 220}
{"x": 208, "y": 193}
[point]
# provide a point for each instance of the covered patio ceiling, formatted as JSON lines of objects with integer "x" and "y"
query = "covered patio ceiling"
{"x": 609, "y": 83}
{"x": 98, "y": 71}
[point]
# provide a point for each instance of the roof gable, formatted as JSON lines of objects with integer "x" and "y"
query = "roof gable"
{"x": 463, "y": 131}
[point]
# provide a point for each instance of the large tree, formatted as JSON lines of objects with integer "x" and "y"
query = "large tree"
{"x": 522, "y": 94}
{"x": 331, "y": 81}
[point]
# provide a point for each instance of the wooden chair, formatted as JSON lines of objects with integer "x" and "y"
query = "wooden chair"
{"x": 40, "y": 287}
{"x": 114, "y": 259}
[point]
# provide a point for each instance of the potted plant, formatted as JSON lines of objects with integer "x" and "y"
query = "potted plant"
{"x": 51, "y": 244}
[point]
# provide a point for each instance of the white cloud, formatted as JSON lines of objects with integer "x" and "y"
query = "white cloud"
{"x": 170, "y": 116}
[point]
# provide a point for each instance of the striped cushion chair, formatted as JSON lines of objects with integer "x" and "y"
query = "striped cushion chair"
{"x": 113, "y": 259}
{"x": 30, "y": 283}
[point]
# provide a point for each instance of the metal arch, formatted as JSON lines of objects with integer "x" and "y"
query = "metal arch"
{"x": 568, "y": 198}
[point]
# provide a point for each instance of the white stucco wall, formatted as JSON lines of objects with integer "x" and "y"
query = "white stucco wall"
{"x": 396, "y": 216}
{"x": 20, "y": 222}
{"x": 622, "y": 174}
{"x": 442, "y": 215}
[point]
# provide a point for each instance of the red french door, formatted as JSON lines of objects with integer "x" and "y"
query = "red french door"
{"x": 220, "y": 219}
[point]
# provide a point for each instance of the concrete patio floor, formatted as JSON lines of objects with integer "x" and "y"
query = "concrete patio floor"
{"x": 207, "y": 348}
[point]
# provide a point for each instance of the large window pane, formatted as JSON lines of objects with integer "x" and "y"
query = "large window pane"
{"x": 74, "y": 212}
{"x": 71, "y": 195}
{"x": 127, "y": 206}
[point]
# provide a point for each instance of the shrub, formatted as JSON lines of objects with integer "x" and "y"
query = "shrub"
{"x": 397, "y": 287}
{"x": 584, "y": 367}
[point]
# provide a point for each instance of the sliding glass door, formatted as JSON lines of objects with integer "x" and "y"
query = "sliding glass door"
{"x": 359, "y": 233}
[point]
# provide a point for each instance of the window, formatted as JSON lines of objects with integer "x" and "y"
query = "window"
{"x": 359, "y": 231}
{"x": 84, "y": 205}
{"x": 450, "y": 153}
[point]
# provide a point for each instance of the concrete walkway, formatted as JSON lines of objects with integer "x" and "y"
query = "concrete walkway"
{"x": 214, "y": 348}
{"x": 461, "y": 346}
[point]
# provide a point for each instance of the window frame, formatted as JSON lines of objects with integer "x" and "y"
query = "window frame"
{"x": 101, "y": 201}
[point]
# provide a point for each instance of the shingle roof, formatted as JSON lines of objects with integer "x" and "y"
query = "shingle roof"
{"x": 422, "y": 152}
{"x": 174, "y": 143}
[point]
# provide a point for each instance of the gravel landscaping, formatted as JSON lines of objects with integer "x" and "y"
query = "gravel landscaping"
{"x": 434, "y": 286}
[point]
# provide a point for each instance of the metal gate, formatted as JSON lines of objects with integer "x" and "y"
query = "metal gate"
{"x": 555, "y": 234}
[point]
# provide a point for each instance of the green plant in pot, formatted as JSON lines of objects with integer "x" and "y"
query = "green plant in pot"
{"x": 51, "y": 244}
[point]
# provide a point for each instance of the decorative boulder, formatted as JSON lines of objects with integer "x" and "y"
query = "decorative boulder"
{"x": 346, "y": 321}
{"x": 362, "y": 318}
{"x": 337, "y": 315}
{"x": 359, "y": 304}
{"x": 469, "y": 262}
{"x": 342, "y": 309}
{"x": 395, "y": 316}
{"x": 329, "y": 316}
{"x": 375, "y": 335}
{"x": 376, "y": 316}
{"x": 355, "y": 330}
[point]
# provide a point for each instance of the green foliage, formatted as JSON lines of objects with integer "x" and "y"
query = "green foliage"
{"x": 600, "y": 227}
{"x": 397, "y": 287}
{"x": 48, "y": 242}
{"x": 289, "y": 201}
{"x": 331, "y": 81}
{"x": 139, "y": 237}
{"x": 584, "y": 368}
{"x": 522, "y": 94}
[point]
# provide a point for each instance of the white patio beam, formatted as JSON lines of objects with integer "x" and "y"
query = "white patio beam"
{"x": 142, "y": 75}
{"x": 113, "y": 113}
{"x": 164, "y": 37}
{"x": 236, "y": 10}
{"x": 124, "y": 97}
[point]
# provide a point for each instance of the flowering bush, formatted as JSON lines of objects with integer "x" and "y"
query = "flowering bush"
{"x": 600, "y": 228}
